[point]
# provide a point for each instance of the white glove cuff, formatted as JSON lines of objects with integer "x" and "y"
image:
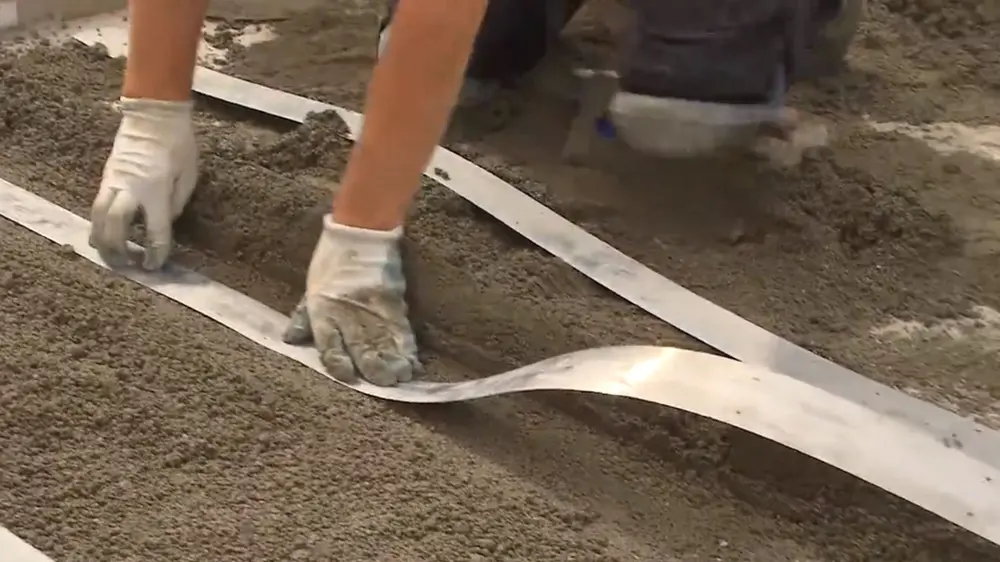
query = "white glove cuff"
{"x": 349, "y": 259}
{"x": 360, "y": 236}
{"x": 156, "y": 110}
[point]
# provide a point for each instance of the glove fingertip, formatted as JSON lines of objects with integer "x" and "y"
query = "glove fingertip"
{"x": 296, "y": 334}
{"x": 417, "y": 367}
{"x": 339, "y": 366}
{"x": 155, "y": 256}
{"x": 98, "y": 216}
{"x": 384, "y": 369}
{"x": 298, "y": 331}
{"x": 405, "y": 375}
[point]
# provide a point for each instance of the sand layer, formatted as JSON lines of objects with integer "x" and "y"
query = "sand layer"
{"x": 122, "y": 443}
{"x": 138, "y": 430}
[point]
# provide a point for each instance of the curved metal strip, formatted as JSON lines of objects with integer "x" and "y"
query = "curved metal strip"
{"x": 668, "y": 301}
{"x": 15, "y": 549}
{"x": 892, "y": 455}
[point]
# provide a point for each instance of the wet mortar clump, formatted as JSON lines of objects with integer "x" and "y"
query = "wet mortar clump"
{"x": 483, "y": 297}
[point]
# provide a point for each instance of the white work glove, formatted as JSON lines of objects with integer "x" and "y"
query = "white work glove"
{"x": 354, "y": 308}
{"x": 153, "y": 167}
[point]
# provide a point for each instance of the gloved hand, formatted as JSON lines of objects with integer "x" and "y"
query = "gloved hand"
{"x": 354, "y": 308}
{"x": 153, "y": 167}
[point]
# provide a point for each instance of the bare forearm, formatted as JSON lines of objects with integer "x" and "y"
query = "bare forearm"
{"x": 410, "y": 99}
{"x": 163, "y": 47}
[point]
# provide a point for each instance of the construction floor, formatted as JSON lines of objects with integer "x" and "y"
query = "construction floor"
{"x": 134, "y": 429}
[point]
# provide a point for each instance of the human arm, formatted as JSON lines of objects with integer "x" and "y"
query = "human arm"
{"x": 162, "y": 47}
{"x": 354, "y": 308}
{"x": 411, "y": 96}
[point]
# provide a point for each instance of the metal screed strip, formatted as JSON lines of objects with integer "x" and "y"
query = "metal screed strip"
{"x": 15, "y": 549}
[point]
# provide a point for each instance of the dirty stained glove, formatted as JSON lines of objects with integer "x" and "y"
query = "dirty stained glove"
{"x": 354, "y": 308}
{"x": 152, "y": 168}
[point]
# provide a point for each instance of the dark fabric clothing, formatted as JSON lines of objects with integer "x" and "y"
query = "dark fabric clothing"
{"x": 707, "y": 50}
{"x": 514, "y": 36}
{"x": 716, "y": 50}
{"x": 737, "y": 51}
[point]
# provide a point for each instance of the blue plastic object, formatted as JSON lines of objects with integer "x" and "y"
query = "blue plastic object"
{"x": 605, "y": 128}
